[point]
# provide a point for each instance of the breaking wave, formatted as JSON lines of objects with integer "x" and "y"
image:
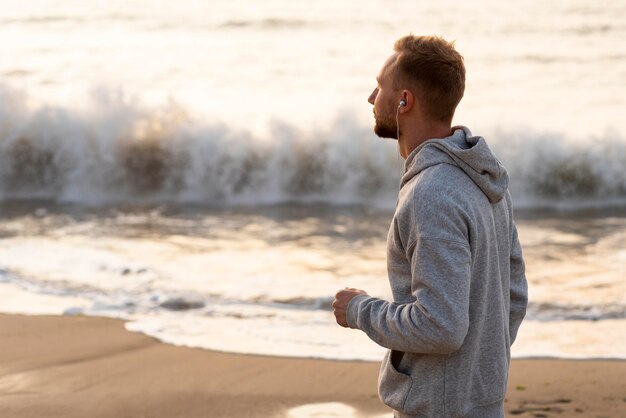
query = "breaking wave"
{"x": 115, "y": 150}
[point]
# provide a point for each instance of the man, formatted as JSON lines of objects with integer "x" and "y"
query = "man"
{"x": 454, "y": 261}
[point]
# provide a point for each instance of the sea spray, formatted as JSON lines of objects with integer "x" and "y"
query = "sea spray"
{"x": 116, "y": 150}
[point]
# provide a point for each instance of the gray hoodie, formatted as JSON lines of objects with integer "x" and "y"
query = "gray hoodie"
{"x": 457, "y": 277}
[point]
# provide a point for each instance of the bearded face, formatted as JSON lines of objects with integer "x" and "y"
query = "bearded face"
{"x": 385, "y": 124}
{"x": 385, "y": 99}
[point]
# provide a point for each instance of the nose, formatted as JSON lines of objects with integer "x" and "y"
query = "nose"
{"x": 373, "y": 96}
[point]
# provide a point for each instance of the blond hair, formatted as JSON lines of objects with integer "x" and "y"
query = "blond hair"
{"x": 435, "y": 68}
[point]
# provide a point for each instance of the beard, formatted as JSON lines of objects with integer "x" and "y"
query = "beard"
{"x": 385, "y": 127}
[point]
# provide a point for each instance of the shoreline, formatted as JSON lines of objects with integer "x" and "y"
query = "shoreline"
{"x": 76, "y": 366}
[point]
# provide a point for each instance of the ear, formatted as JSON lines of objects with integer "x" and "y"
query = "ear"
{"x": 409, "y": 98}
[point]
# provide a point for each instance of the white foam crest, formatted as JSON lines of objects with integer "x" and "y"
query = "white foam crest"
{"x": 548, "y": 169}
{"x": 116, "y": 150}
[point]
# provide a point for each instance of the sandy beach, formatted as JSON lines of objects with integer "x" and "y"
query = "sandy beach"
{"x": 92, "y": 367}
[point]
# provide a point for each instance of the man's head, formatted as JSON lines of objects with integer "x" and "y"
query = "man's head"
{"x": 424, "y": 71}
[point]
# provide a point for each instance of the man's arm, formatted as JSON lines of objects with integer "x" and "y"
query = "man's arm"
{"x": 519, "y": 287}
{"x": 437, "y": 321}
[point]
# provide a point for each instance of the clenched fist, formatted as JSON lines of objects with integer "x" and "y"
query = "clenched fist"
{"x": 340, "y": 304}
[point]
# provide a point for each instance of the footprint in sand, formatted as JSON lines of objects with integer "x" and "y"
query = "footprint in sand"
{"x": 541, "y": 409}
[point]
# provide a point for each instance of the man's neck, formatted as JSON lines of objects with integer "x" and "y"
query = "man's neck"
{"x": 414, "y": 135}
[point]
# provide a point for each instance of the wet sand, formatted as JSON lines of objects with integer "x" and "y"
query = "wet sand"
{"x": 92, "y": 367}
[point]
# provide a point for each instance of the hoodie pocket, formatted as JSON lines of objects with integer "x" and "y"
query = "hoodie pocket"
{"x": 393, "y": 386}
{"x": 420, "y": 393}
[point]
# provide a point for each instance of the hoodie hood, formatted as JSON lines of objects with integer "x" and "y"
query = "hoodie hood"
{"x": 470, "y": 153}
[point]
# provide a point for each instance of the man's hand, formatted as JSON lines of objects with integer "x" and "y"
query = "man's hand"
{"x": 340, "y": 304}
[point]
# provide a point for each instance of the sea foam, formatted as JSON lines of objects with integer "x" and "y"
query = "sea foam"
{"x": 115, "y": 150}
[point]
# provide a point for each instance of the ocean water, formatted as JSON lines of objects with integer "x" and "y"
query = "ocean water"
{"x": 208, "y": 171}
{"x": 262, "y": 279}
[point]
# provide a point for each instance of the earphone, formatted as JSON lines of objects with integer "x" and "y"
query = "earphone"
{"x": 402, "y": 104}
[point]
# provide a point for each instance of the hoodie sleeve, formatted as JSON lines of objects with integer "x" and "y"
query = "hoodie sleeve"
{"x": 436, "y": 322}
{"x": 519, "y": 286}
